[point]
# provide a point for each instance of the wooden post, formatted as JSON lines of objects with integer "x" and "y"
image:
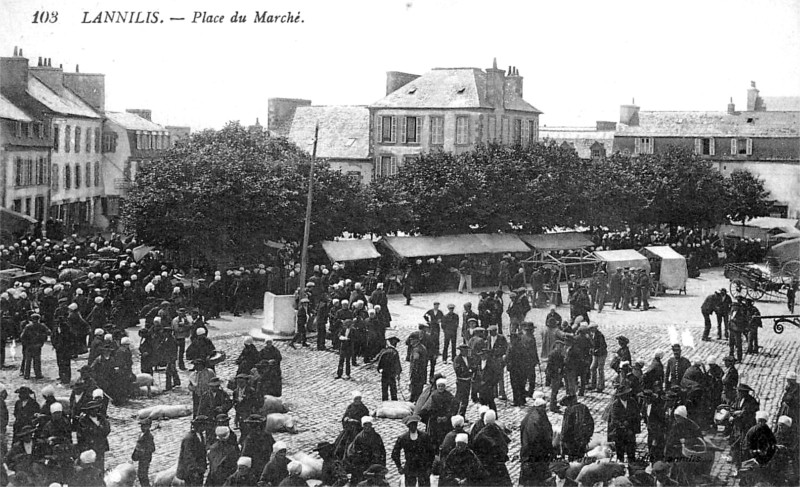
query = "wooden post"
{"x": 307, "y": 231}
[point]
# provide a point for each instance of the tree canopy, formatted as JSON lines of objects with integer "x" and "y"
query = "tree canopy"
{"x": 747, "y": 196}
{"x": 227, "y": 191}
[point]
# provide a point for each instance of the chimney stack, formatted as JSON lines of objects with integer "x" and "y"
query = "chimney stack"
{"x": 754, "y": 101}
{"x": 91, "y": 87}
{"x": 396, "y": 80}
{"x": 495, "y": 85}
{"x": 731, "y": 107}
{"x": 77, "y": 69}
{"x": 20, "y": 52}
{"x": 280, "y": 113}
{"x": 40, "y": 61}
{"x": 629, "y": 114}
{"x": 15, "y": 51}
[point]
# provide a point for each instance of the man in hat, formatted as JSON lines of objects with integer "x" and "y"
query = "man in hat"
{"x": 536, "y": 445}
{"x": 192, "y": 462}
{"x": 143, "y": 452}
{"x": 470, "y": 320}
{"x": 245, "y": 399}
{"x": 431, "y": 347}
{"x": 555, "y": 372}
{"x": 302, "y": 317}
{"x": 599, "y": 351}
{"x": 754, "y": 323}
{"x": 623, "y": 353}
{"x": 744, "y": 417}
{"x": 182, "y": 328}
{"x": 790, "y": 402}
{"x": 723, "y": 312}
{"x": 418, "y": 370}
{"x": 222, "y": 458}
{"x": 257, "y": 443}
{"x": 346, "y": 336}
{"x": 654, "y": 412}
{"x": 738, "y": 323}
{"x": 388, "y": 364}
{"x": 214, "y": 401}
{"x": 333, "y": 470}
{"x": 465, "y": 275}
{"x": 615, "y": 288}
{"x": 365, "y": 450}
{"x": 434, "y": 317}
{"x": 676, "y": 368}
{"x": 624, "y": 424}
{"x": 577, "y": 428}
{"x": 63, "y": 342}
{"x": 518, "y": 309}
{"x": 518, "y": 364}
{"x": 461, "y": 466}
{"x": 464, "y": 375}
{"x": 198, "y": 382}
{"x": 486, "y": 375}
{"x": 419, "y": 453}
{"x": 24, "y": 451}
{"x": 627, "y": 289}
{"x": 93, "y": 429}
{"x": 710, "y": 305}
{"x": 33, "y": 337}
{"x": 25, "y": 409}
{"x": 450, "y": 328}
{"x": 730, "y": 379}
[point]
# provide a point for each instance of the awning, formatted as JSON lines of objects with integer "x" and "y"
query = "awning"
{"x": 785, "y": 251}
{"x": 674, "y": 271}
{"x": 622, "y": 258}
{"x": 430, "y": 246}
{"x": 140, "y": 251}
{"x": 345, "y": 250}
{"x": 558, "y": 241}
{"x": 771, "y": 223}
{"x": 502, "y": 242}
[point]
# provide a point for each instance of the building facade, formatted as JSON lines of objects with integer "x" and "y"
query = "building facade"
{"x": 589, "y": 142}
{"x": 449, "y": 109}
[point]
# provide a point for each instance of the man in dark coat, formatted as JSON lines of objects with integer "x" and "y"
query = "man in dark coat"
{"x": 518, "y": 363}
{"x": 710, "y": 305}
{"x": 257, "y": 444}
{"x": 450, "y": 329}
{"x": 464, "y": 375}
{"x": 676, "y": 367}
{"x": 744, "y": 417}
{"x": 438, "y": 410}
{"x": 730, "y": 379}
{"x": 518, "y": 309}
{"x": 527, "y": 341}
{"x": 597, "y": 373}
{"x": 760, "y": 440}
{"x": 388, "y": 364}
{"x": 491, "y": 447}
{"x": 418, "y": 370}
{"x": 192, "y": 456}
{"x": 624, "y": 424}
{"x": 497, "y": 345}
{"x": 723, "y": 312}
{"x": 271, "y": 380}
{"x": 33, "y": 337}
{"x": 486, "y": 376}
{"x": 654, "y": 413}
{"x": 615, "y": 288}
{"x": 555, "y": 372}
{"x": 737, "y": 324}
{"x": 93, "y": 429}
{"x": 214, "y": 401}
{"x": 434, "y": 317}
{"x": 246, "y": 400}
{"x": 365, "y": 450}
{"x": 419, "y": 451}
{"x": 302, "y": 319}
{"x": 536, "y": 450}
{"x": 790, "y": 402}
{"x": 25, "y": 409}
{"x": 143, "y": 452}
{"x": 351, "y": 425}
{"x": 222, "y": 458}
{"x": 577, "y": 428}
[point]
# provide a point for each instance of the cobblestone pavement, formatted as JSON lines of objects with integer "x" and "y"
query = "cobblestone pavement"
{"x": 317, "y": 401}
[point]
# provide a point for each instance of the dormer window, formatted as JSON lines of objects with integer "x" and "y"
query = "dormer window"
{"x": 460, "y": 91}
{"x": 412, "y": 90}
{"x": 751, "y": 120}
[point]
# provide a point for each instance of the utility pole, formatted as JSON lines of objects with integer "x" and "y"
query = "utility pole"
{"x": 307, "y": 231}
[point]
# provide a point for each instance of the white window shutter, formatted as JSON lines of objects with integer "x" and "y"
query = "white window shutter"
{"x": 393, "y": 168}
{"x": 698, "y": 146}
{"x": 749, "y": 147}
{"x": 734, "y": 150}
{"x": 403, "y": 129}
{"x": 394, "y": 129}
{"x": 637, "y": 146}
{"x": 711, "y": 146}
{"x": 379, "y": 127}
{"x": 378, "y": 167}
{"x": 419, "y": 130}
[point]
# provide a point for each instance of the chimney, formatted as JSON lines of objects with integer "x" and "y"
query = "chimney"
{"x": 629, "y": 114}
{"x": 280, "y": 113}
{"x": 495, "y": 85}
{"x": 731, "y": 107}
{"x": 513, "y": 83}
{"x": 20, "y": 52}
{"x": 77, "y": 69}
{"x": 53, "y": 78}
{"x": 145, "y": 113}
{"x": 15, "y": 51}
{"x": 14, "y": 75}
{"x": 90, "y": 87}
{"x": 754, "y": 102}
{"x": 396, "y": 80}
{"x": 40, "y": 61}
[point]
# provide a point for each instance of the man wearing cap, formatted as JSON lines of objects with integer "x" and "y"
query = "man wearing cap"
{"x": 486, "y": 375}
{"x": 192, "y": 462}
{"x": 730, "y": 379}
{"x": 245, "y": 399}
{"x": 624, "y": 424}
{"x": 738, "y": 323}
{"x": 302, "y": 316}
{"x": 464, "y": 374}
{"x": 419, "y": 451}
{"x": 346, "y": 336}
{"x": 470, "y": 320}
{"x": 518, "y": 362}
{"x": 33, "y": 338}
{"x": 790, "y": 402}
{"x": 143, "y": 452}
{"x": 167, "y": 351}
{"x": 723, "y": 312}
{"x": 555, "y": 372}
{"x": 599, "y": 351}
{"x": 182, "y": 328}
{"x": 198, "y": 382}
{"x": 676, "y": 368}
{"x": 365, "y": 450}
{"x": 497, "y": 345}
{"x": 257, "y": 443}
{"x": 577, "y": 428}
{"x": 390, "y": 367}
{"x": 62, "y": 341}
{"x": 215, "y": 401}
{"x": 744, "y": 417}
{"x": 536, "y": 445}
{"x": 461, "y": 466}
{"x": 222, "y": 458}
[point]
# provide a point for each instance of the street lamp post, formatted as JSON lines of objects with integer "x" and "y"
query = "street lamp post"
{"x": 307, "y": 231}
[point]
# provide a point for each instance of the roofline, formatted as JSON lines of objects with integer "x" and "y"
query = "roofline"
{"x": 47, "y": 108}
{"x": 683, "y": 136}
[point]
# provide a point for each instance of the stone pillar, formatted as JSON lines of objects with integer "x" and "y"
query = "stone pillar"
{"x": 279, "y": 315}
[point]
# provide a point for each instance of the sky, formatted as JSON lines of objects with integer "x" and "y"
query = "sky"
{"x": 580, "y": 59}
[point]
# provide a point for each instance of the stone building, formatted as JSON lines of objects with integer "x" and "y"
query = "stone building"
{"x": 449, "y": 109}
{"x": 763, "y": 141}
{"x": 589, "y": 142}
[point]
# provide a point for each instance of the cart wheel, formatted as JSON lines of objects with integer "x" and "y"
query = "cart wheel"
{"x": 790, "y": 270}
{"x": 755, "y": 293}
{"x": 738, "y": 288}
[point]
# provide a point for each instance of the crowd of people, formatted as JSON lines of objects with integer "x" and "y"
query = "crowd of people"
{"x": 100, "y": 293}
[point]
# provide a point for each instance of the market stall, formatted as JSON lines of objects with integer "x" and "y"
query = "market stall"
{"x": 347, "y": 250}
{"x": 668, "y": 267}
{"x": 614, "y": 259}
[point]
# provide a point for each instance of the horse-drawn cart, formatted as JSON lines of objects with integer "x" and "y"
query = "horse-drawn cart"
{"x": 754, "y": 281}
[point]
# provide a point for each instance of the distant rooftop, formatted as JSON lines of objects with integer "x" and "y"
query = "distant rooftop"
{"x": 711, "y": 124}
{"x": 131, "y": 121}
{"x": 343, "y": 131}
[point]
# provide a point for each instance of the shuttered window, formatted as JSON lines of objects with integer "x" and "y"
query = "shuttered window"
{"x": 67, "y": 140}
{"x": 77, "y": 139}
{"x": 54, "y": 177}
{"x": 409, "y": 133}
{"x": 97, "y": 173}
{"x": 388, "y": 127}
{"x": 704, "y": 147}
{"x": 385, "y": 166}
{"x": 462, "y": 130}
{"x": 437, "y": 130}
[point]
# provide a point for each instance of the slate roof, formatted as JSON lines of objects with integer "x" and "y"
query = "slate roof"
{"x": 131, "y": 121}
{"x": 713, "y": 124}
{"x": 67, "y": 103}
{"x": 343, "y": 131}
{"x": 781, "y": 103}
{"x": 449, "y": 88}
{"x": 10, "y": 111}
{"x": 581, "y": 138}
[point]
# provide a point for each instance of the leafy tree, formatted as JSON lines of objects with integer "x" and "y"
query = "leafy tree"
{"x": 226, "y": 192}
{"x": 747, "y": 197}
